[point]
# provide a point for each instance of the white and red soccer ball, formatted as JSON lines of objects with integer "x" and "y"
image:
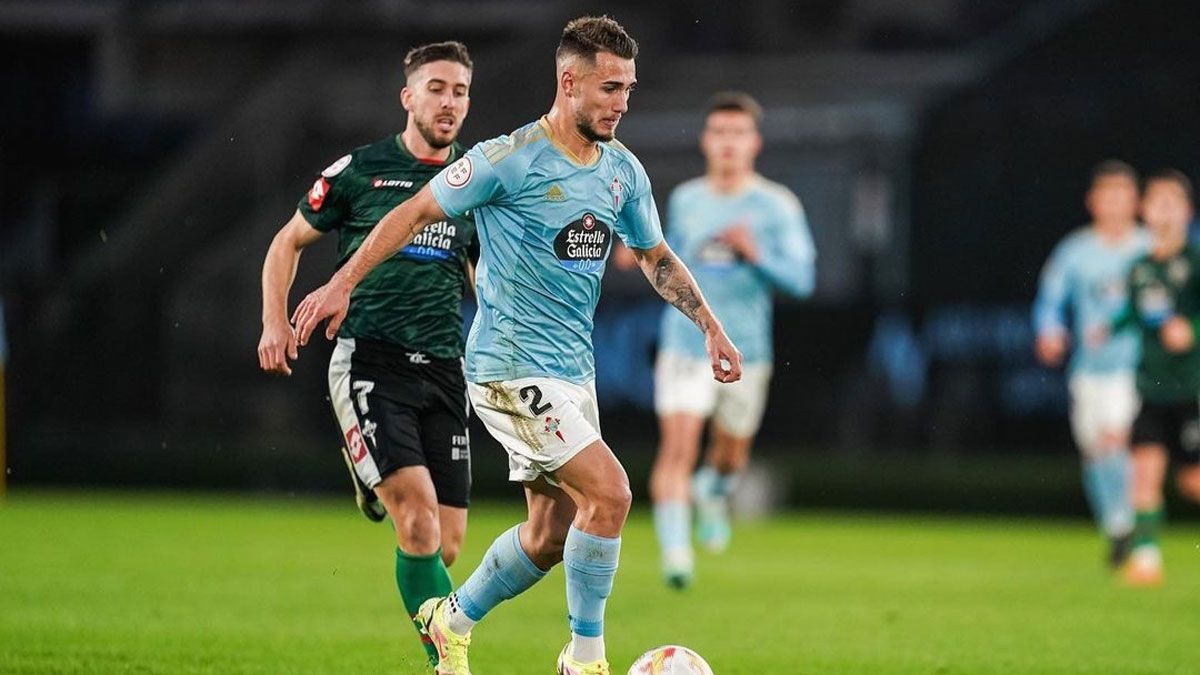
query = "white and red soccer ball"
{"x": 670, "y": 660}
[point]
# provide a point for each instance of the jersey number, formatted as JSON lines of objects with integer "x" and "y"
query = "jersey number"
{"x": 363, "y": 388}
{"x": 535, "y": 406}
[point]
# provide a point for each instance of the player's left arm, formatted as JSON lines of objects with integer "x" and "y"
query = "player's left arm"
{"x": 789, "y": 257}
{"x": 671, "y": 278}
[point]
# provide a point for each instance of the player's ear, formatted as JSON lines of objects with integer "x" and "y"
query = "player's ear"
{"x": 566, "y": 80}
{"x": 406, "y": 99}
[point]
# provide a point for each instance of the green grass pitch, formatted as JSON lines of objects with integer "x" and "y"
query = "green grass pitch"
{"x": 150, "y": 583}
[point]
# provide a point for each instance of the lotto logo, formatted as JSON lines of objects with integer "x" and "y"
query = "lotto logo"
{"x": 355, "y": 444}
{"x": 316, "y": 196}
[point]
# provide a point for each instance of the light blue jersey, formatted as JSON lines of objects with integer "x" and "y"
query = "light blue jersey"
{"x": 1089, "y": 275}
{"x": 738, "y": 292}
{"x": 545, "y": 227}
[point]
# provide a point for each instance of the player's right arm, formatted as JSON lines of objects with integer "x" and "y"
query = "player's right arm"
{"x": 1049, "y": 309}
{"x": 460, "y": 187}
{"x": 278, "y": 341}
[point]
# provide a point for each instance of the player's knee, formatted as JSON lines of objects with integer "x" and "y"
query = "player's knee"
{"x": 610, "y": 507}
{"x": 417, "y": 529}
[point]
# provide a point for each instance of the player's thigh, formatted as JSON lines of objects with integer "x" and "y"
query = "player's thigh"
{"x": 447, "y": 447}
{"x": 378, "y": 416}
{"x": 741, "y": 405}
{"x": 680, "y": 434}
{"x": 541, "y": 422}
{"x": 597, "y": 483}
{"x": 683, "y": 385}
{"x": 408, "y": 494}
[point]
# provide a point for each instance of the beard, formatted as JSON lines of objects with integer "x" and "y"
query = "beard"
{"x": 435, "y": 139}
{"x": 585, "y": 128}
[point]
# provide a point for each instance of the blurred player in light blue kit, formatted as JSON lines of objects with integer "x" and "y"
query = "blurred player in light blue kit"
{"x": 1087, "y": 273}
{"x": 743, "y": 237}
{"x": 548, "y": 200}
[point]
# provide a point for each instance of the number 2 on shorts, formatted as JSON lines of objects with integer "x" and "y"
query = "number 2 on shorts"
{"x": 535, "y": 406}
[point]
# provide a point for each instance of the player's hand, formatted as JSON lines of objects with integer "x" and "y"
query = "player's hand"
{"x": 1177, "y": 335}
{"x": 330, "y": 301}
{"x": 276, "y": 346}
{"x": 726, "y": 359}
{"x": 741, "y": 240}
{"x": 1051, "y": 347}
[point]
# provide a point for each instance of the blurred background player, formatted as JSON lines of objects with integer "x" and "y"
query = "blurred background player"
{"x": 530, "y": 358}
{"x": 395, "y": 379}
{"x": 742, "y": 236}
{"x": 1164, "y": 304}
{"x": 1087, "y": 272}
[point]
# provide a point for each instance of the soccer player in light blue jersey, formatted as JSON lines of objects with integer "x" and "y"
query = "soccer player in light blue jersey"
{"x": 743, "y": 237}
{"x": 546, "y": 199}
{"x": 1086, "y": 273}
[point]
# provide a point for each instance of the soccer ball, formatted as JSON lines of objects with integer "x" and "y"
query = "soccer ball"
{"x": 670, "y": 660}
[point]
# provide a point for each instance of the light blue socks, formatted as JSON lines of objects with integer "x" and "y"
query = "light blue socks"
{"x": 590, "y": 563}
{"x": 505, "y": 572}
{"x": 1106, "y": 483}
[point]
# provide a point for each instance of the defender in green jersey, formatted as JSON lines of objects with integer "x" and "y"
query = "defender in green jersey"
{"x": 395, "y": 380}
{"x": 1164, "y": 305}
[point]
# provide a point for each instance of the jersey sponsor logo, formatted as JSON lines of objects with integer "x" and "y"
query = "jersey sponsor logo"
{"x": 458, "y": 174}
{"x": 556, "y": 194}
{"x": 583, "y": 244}
{"x": 377, "y": 183}
{"x": 336, "y": 168}
{"x": 355, "y": 444}
{"x": 435, "y": 242}
{"x": 316, "y": 196}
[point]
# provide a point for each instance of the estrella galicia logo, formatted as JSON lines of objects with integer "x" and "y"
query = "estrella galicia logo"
{"x": 435, "y": 242}
{"x": 583, "y": 244}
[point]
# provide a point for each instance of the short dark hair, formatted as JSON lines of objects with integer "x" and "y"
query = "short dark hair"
{"x": 587, "y": 36}
{"x": 1173, "y": 176}
{"x": 734, "y": 101}
{"x": 1113, "y": 167}
{"x": 438, "y": 51}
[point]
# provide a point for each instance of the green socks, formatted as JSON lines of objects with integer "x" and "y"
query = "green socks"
{"x": 1146, "y": 528}
{"x": 419, "y": 578}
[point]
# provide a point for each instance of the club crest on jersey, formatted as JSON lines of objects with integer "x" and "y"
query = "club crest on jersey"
{"x": 583, "y": 244}
{"x": 458, "y": 174}
{"x": 615, "y": 188}
{"x": 316, "y": 196}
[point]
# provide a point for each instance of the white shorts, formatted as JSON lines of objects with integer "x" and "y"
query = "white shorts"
{"x": 1101, "y": 404}
{"x": 686, "y": 385}
{"x": 541, "y": 422}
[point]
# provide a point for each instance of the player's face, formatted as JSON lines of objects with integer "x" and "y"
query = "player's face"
{"x": 1113, "y": 199}
{"x": 1166, "y": 210}
{"x": 730, "y": 141}
{"x": 437, "y": 97}
{"x": 599, "y": 94}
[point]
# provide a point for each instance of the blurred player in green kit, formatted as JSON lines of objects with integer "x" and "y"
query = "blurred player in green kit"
{"x": 396, "y": 380}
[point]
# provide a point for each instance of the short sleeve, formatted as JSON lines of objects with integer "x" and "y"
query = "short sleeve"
{"x": 638, "y": 223}
{"x": 327, "y": 203}
{"x": 466, "y": 184}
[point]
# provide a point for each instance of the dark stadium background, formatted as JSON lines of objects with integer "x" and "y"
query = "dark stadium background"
{"x": 151, "y": 149}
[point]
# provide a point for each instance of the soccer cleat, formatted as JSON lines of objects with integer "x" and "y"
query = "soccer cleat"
{"x": 1119, "y": 549}
{"x": 451, "y": 647}
{"x": 569, "y": 666}
{"x": 1144, "y": 567}
{"x": 678, "y": 567}
{"x": 368, "y": 502}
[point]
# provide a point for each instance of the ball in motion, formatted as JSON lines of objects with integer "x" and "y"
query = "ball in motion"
{"x": 670, "y": 660}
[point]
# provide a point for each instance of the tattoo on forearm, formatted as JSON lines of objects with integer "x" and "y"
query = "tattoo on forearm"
{"x": 676, "y": 286}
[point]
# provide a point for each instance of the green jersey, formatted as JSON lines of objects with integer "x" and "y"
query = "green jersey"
{"x": 1160, "y": 290}
{"x": 414, "y": 298}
